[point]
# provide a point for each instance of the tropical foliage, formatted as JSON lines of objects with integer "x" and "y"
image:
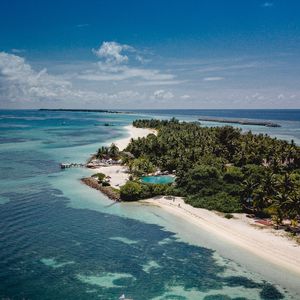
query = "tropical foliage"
{"x": 140, "y": 166}
{"x": 99, "y": 176}
{"x": 108, "y": 152}
{"x": 135, "y": 190}
{"x": 224, "y": 168}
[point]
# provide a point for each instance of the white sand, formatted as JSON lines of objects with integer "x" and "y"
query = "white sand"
{"x": 118, "y": 173}
{"x": 134, "y": 133}
{"x": 266, "y": 243}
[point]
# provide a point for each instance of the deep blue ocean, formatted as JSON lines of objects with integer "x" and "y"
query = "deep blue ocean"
{"x": 59, "y": 239}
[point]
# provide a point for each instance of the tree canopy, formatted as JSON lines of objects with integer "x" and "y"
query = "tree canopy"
{"x": 224, "y": 168}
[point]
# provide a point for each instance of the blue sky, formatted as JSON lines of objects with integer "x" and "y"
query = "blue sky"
{"x": 150, "y": 54}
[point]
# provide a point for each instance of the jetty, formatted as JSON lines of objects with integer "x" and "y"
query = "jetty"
{"x": 97, "y": 163}
{"x": 71, "y": 165}
{"x": 110, "y": 192}
{"x": 240, "y": 121}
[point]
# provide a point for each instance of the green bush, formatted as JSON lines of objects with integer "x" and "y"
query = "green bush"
{"x": 221, "y": 202}
{"x": 141, "y": 166}
{"x": 233, "y": 175}
{"x": 146, "y": 191}
{"x": 134, "y": 190}
{"x": 131, "y": 191}
{"x": 100, "y": 176}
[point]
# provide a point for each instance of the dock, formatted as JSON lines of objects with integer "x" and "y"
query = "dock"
{"x": 71, "y": 165}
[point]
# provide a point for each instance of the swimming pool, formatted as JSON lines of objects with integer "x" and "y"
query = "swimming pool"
{"x": 164, "y": 179}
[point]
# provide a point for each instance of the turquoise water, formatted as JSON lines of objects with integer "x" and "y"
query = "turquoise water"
{"x": 164, "y": 179}
{"x": 59, "y": 239}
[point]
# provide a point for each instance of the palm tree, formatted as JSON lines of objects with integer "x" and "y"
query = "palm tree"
{"x": 114, "y": 151}
{"x": 102, "y": 152}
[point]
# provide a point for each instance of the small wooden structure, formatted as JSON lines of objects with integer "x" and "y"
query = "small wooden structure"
{"x": 71, "y": 165}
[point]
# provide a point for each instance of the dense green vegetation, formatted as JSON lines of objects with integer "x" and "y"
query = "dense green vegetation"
{"x": 136, "y": 190}
{"x": 222, "y": 168}
{"x": 108, "y": 152}
{"x": 102, "y": 179}
{"x": 99, "y": 176}
{"x": 140, "y": 166}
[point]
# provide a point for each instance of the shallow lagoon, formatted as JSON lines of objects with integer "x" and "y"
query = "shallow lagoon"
{"x": 63, "y": 240}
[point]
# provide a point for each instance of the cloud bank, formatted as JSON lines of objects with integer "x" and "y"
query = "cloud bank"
{"x": 121, "y": 76}
{"x": 113, "y": 53}
{"x": 19, "y": 81}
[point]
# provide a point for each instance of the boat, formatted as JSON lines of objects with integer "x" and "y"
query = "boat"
{"x": 123, "y": 297}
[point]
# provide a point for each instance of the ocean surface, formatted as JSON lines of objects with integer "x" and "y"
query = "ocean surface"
{"x": 59, "y": 239}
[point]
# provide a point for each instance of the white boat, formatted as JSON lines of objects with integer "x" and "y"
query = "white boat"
{"x": 124, "y": 298}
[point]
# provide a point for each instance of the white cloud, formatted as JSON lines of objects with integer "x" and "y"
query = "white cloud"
{"x": 258, "y": 96}
{"x": 141, "y": 59}
{"x": 19, "y": 80}
{"x": 267, "y": 4}
{"x": 162, "y": 82}
{"x": 108, "y": 73}
{"x": 213, "y": 78}
{"x": 17, "y": 51}
{"x": 82, "y": 25}
{"x": 131, "y": 84}
{"x": 20, "y": 83}
{"x": 162, "y": 95}
{"x": 228, "y": 67}
{"x": 185, "y": 97}
{"x": 113, "y": 52}
{"x": 117, "y": 97}
{"x": 114, "y": 66}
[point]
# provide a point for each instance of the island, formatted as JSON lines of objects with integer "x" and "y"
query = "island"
{"x": 81, "y": 110}
{"x": 240, "y": 121}
{"x": 223, "y": 179}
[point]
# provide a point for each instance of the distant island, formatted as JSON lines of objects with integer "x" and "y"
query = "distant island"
{"x": 81, "y": 110}
{"x": 240, "y": 121}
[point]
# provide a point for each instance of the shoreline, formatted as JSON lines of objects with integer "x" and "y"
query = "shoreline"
{"x": 267, "y": 243}
{"x": 263, "y": 242}
{"x": 134, "y": 133}
{"x": 118, "y": 173}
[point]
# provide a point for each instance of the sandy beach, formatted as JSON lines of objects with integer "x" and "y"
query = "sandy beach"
{"x": 265, "y": 242}
{"x": 118, "y": 174}
{"x": 133, "y": 133}
{"x": 262, "y": 241}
